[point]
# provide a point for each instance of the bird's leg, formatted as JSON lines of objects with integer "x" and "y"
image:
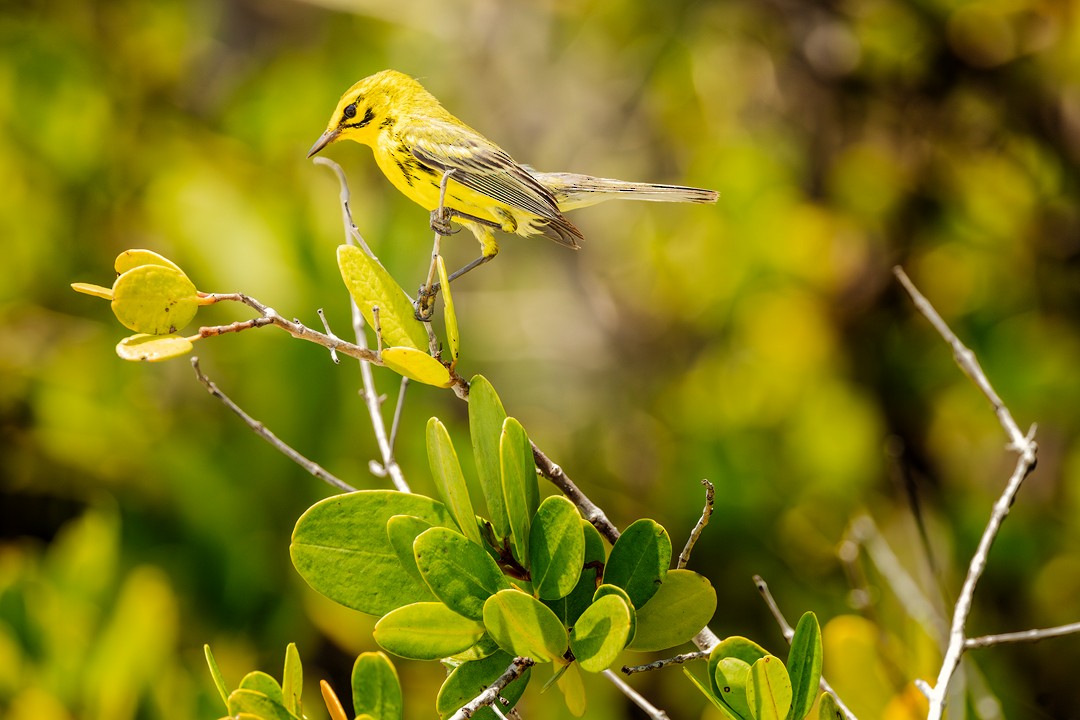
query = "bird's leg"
{"x": 461, "y": 271}
{"x": 440, "y": 223}
{"x": 426, "y": 297}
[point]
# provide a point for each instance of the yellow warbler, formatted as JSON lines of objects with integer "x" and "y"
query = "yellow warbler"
{"x": 416, "y": 141}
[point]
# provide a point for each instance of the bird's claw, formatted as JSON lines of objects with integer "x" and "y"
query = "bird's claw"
{"x": 425, "y": 302}
{"x": 440, "y": 221}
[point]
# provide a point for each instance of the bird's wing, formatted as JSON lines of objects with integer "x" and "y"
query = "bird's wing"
{"x": 484, "y": 167}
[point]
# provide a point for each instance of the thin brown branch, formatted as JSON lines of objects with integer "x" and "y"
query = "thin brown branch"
{"x": 676, "y": 660}
{"x": 263, "y": 432}
{"x": 706, "y": 513}
{"x": 589, "y": 510}
{"x": 269, "y": 316}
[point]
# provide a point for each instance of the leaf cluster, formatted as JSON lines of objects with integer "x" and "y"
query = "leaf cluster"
{"x": 527, "y": 578}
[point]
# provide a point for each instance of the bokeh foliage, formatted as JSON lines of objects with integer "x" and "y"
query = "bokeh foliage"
{"x": 761, "y": 344}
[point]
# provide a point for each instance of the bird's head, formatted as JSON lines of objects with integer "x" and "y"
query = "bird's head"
{"x": 362, "y": 110}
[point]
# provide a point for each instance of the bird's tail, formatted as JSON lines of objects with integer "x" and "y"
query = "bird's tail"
{"x": 573, "y": 191}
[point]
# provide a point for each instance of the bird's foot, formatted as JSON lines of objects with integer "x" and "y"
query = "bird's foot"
{"x": 440, "y": 221}
{"x": 425, "y": 302}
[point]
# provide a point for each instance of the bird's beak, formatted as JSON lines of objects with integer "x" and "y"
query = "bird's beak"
{"x": 325, "y": 139}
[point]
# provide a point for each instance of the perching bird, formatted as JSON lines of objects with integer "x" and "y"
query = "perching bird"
{"x": 416, "y": 141}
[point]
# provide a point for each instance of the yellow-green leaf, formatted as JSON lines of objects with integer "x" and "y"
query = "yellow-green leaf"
{"x": 520, "y": 489}
{"x": 215, "y": 673}
{"x": 573, "y": 690}
{"x": 416, "y": 365}
{"x": 768, "y": 689}
{"x": 375, "y": 687}
{"x": 453, "y": 339}
{"x": 91, "y": 289}
{"x": 370, "y": 286}
{"x": 449, "y": 480}
{"x": 130, "y": 259}
{"x": 152, "y": 348}
{"x": 828, "y": 709}
{"x": 154, "y": 299}
{"x": 292, "y": 679}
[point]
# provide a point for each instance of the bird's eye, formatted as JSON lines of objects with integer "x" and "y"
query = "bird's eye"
{"x": 350, "y": 111}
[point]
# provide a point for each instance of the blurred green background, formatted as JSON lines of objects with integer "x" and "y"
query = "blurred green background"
{"x": 761, "y": 343}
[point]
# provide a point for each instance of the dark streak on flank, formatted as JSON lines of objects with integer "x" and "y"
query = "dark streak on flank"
{"x": 388, "y": 122}
{"x": 404, "y": 171}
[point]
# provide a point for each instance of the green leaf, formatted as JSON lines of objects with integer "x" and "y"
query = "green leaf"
{"x": 402, "y": 531}
{"x": 768, "y": 692}
{"x": 458, "y": 571}
{"x": 616, "y": 590}
{"x": 215, "y": 672}
{"x": 154, "y": 299}
{"x": 804, "y": 665}
{"x": 683, "y": 605}
{"x": 828, "y": 709}
{"x": 130, "y": 259}
{"x": 371, "y": 286}
{"x": 449, "y": 480}
{"x": 639, "y": 560}
{"x": 569, "y": 608}
{"x": 292, "y": 679}
{"x": 263, "y": 683}
{"x": 731, "y": 677}
{"x": 600, "y": 634}
{"x": 486, "y": 417}
{"x": 253, "y": 702}
{"x": 426, "y": 631}
{"x": 484, "y": 647}
{"x": 470, "y": 678}
{"x": 341, "y": 549}
{"x": 725, "y": 711}
{"x": 453, "y": 339}
{"x": 416, "y": 365}
{"x": 376, "y": 689}
{"x": 737, "y": 647}
{"x": 524, "y": 626}
{"x": 520, "y": 488}
{"x": 152, "y": 348}
{"x": 556, "y": 548}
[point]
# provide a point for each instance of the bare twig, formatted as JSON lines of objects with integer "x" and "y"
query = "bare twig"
{"x": 269, "y": 316}
{"x": 388, "y": 464}
{"x": 789, "y": 633}
{"x": 490, "y": 695}
{"x": 326, "y": 327}
{"x": 1024, "y": 636}
{"x": 1023, "y": 445}
{"x": 656, "y": 665}
{"x": 706, "y": 513}
{"x": 262, "y": 431}
{"x": 649, "y": 709}
{"x": 589, "y": 510}
{"x": 426, "y": 296}
{"x": 396, "y": 422}
{"x": 967, "y": 361}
